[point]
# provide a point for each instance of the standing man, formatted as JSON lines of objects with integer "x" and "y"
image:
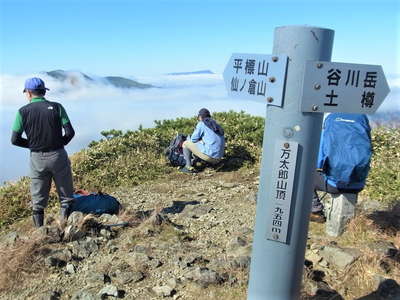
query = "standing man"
{"x": 207, "y": 142}
{"x": 43, "y": 123}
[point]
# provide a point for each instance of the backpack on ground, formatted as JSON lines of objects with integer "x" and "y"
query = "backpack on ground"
{"x": 174, "y": 152}
{"x": 95, "y": 203}
{"x": 345, "y": 150}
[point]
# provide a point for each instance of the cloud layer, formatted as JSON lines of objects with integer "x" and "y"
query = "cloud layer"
{"x": 96, "y": 106}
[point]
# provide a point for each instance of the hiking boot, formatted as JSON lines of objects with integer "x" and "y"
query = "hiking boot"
{"x": 188, "y": 170}
{"x": 317, "y": 217}
{"x": 64, "y": 214}
{"x": 38, "y": 218}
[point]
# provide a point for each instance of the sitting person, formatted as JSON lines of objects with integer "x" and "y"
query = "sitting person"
{"x": 344, "y": 157}
{"x": 207, "y": 142}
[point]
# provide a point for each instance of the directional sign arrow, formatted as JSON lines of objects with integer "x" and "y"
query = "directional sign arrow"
{"x": 256, "y": 77}
{"x": 342, "y": 87}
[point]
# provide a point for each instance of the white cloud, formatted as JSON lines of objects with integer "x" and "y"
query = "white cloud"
{"x": 95, "y": 106}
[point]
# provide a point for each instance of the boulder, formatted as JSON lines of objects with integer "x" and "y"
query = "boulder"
{"x": 204, "y": 276}
{"x": 197, "y": 211}
{"x": 58, "y": 258}
{"x": 83, "y": 249}
{"x": 339, "y": 257}
{"x": 128, "y": 276}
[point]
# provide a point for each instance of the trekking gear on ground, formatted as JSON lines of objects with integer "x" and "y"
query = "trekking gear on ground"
{"x": 345, "y": 150}
{"x": 174, "y": 152}
{"x": 95, "y": 204}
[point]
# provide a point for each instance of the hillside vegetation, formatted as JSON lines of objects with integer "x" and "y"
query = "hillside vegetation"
{"x": 128, "y": 159}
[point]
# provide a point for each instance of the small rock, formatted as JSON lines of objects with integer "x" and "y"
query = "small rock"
{"x": 139, "y": 249}
{"x": 73, "y": 233}
{"x": 97, "y": 278}
{"x": 109, "y": 219}
{"x": 154, "y": 263}
{"x": 53, "y": 262}
{"x": 245, "y": 231}
{"x": 369, "y": 205}
{"x": 82, "y": 295}
{"x": 340, "y": 257}
{"x": 10, "y": 239}
{"x": 228, "y": 185}
{"x": 240, "y": 262}
{"x": 389, "y": 289}
{"x": 49, "y": 234}
{"x": 163, "y": 291}
{"x": 138, "y": 259}
{"x": 127, "y": 277}
{"x": 157, "y": 219}
{"x": 83, "y": 249}
{"x": 252, "y": 197}
{"x": 196, "y": 212}
{"x": 51, "y": 295}
{"x": 312, "y": 256}
{"x": 109, "y": 290}
{"x": 107, "y": 234}
{"x": 323, "y": 263}
{"x": 172, "y": 283}
{"x": 204, "y": 276}
{"x": 75, "y": 218}
{"x": 383, "y": 248}
{"x": 235, "y": 243}
{"x": 70, "y": 268}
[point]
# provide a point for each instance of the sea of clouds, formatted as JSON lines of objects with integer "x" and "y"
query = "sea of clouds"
{"x": 94, "y": 106}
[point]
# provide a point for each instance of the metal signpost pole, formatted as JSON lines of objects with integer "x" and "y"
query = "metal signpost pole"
{"x": 284, "y": 205}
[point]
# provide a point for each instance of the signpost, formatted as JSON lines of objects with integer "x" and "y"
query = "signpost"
{"x": 256, "y": 77}
{"x": 306, "y": 83}
{"x": 339, "y": 87}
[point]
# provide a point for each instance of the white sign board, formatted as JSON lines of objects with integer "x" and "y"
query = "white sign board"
{"x": 281, "y": 190}
{"x": 256, "y": 77}
{"x": 340, "y": 87}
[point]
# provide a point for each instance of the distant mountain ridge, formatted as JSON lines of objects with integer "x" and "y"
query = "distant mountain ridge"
{"x": 76, "y": 77}
{"x": 192, "y": 73}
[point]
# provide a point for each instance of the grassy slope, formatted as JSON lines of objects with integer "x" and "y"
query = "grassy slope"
{"x": 137, "y": 156}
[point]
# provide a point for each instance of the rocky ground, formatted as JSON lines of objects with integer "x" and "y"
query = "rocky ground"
{"x": 189, "y": 237}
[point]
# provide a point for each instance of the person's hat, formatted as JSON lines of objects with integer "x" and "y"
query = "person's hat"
{"x": 204, "y": 113}
{"x": 34, "y": 83}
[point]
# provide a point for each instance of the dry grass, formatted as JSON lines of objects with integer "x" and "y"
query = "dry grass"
{"x": 359, "y": 279}
{"x": 225, "y": 292}
{"x": 19, "y": 261}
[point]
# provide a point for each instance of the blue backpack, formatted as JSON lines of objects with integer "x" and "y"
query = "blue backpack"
{"x": 95, "y": 204}
{"x": 345, "y": 150}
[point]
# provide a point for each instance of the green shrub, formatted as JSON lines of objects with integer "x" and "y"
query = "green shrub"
{"x": 127, "y": 159}
{"x": 383, "y": 182}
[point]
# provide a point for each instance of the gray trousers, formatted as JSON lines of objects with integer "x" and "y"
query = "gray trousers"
{"x": 46, "y": 166}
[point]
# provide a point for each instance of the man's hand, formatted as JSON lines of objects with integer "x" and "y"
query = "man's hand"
{"x": 18, "y": 140}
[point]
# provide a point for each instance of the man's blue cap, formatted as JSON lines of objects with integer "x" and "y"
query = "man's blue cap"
{"x": 34, "y": 83}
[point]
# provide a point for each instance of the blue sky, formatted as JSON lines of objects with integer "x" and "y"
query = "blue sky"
{"x": 153, "y": 37}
